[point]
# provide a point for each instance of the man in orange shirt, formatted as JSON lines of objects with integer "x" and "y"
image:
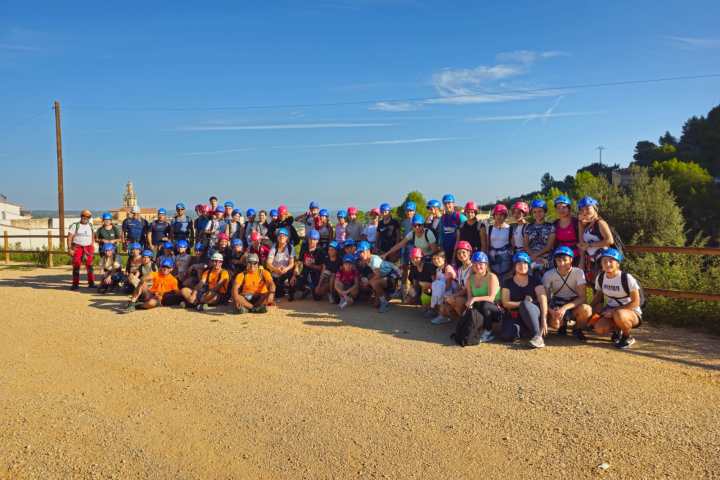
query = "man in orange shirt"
{"x": 212, "y": 289}
{"x": 254, "y": 288}
{"x": 161, "y": 289}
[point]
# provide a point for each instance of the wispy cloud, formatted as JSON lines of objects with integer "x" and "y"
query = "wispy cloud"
{"x": 531, "y": 116}
{"x": 395, "y": 106}
{"x": 696, "y": 42}
{"x": 285, "y": 126}
{"x": 218, "y": 152}
{"x": 9, "y": 47}
{"x": 528, "y": 56}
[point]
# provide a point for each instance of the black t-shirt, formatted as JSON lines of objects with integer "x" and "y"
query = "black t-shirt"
{"x": 427, "y": 273}
{"x": 386, "y": 234}
{"x": 158, "y": 231}
{"x": 332, "y": 265}
{"x": 317, "y": 256}
{"x": 471, "y": 234}
{"x": 518, "y": 293}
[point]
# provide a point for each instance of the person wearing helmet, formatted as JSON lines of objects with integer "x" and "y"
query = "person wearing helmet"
{"x": 483, "y": 295}
{"x": 566, "y": 226}
{"x": 617, "y": 301}
{"x": 322, "y": 225}
{"x": 235, "y": 261}
{"x": 450, "y": 222}
{"x": 382, "y": 277}
{"x": 312, "y": 258}
{"x": 286, "y": 221}
{"x": 434, "y": 208}
{"x": 497, "y": 241}
{"x": 260, "y": 225}
{"x": 222, "y": 246}
{"x": 227, "y": 215}
{"x": 418, "y": 236}
{"x": 134, "y": 228}
{"x": 256, "y": 246}
{"x": 595, "y": 235}
{"x": 161, "y": 288}
{"x": 310, "y": 218}
{"x": 132, "y": 267}
{"x": 80, "y": 244}
{"x": 444, "y": 285}
{"x": 565, "y": 288}
{"x": 110, "y": 266}
{"x": 347, "y": 282}
{"x": 406, "y": 226}
{"x": 471, "y": 229}
{"x": 331, "y": 265}
{"x": 201, "y": 222}
{"x": 525, "y": 304}
{"x": 108, "y": 233}
{"x": 181, "y": 226}
{"x": 369, "y": 232}
{"x": 281, "y": 265}
{"x": 253, "y": 289}
{"x": 388, "y": 232}
{"x": 158, "y": 231}
{"x": 167, "y": 250}
{"x": 519, "y": 210}
{"x": 453, "y": 304}
{"x": 422, "y": 273}
{"x": 198, "y": 264}
{"x": 349, "y": 247}
{"x": 183, "y": 260}
{"x": 214, "y": 227}
{"x": 354, "y": 228}
{"x": 539, "y": 239}
{"x": 212, "y": 289}
{"x": 341, "y": 226}
{"x": 236, "y": 225}
{"x": 137, "y": 275}
{"x": 251, "y": 224}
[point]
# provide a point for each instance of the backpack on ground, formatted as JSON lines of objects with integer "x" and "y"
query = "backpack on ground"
{"x": 468, "y": 329}
{"x": 625, "y": 286}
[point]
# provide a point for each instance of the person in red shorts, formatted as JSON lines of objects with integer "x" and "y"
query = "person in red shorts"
{"x": 81, "y": 245}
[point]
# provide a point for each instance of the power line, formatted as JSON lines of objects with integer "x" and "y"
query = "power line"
{"x": 499, "y": 93}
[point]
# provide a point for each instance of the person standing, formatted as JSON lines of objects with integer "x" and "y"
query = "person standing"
{"x": 108, "y": 234}
{"x": 134, "y": 228}
{"x": 159, "y": 231}
{"x": 181, "y": 227}
{"x": 81, "y": 245}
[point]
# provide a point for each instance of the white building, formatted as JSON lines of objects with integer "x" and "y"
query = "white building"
{"x": 14, "y": 221}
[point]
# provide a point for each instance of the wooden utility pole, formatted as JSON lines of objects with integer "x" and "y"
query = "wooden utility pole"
{"x": 61, "y": 192}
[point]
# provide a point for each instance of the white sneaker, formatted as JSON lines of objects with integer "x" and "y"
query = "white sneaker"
{"x": 330, "y": 298}
{"x": 440, "y": 320}
{"x": 487, "y": 336}
{"x": 343, "y": 303}
{"x": 537, "y": 342}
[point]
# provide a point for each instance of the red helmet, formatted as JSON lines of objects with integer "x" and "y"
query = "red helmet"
{"x": 207, "y": 209}
{"x": 416, "y": 252}
{"x": 223, "y": 236}
{"x": 375, "y": 211}
{"x": 282, "y": 210}
{"x": 522, "y": 206}
{"x": 471, "y": 206}
{"x": 199, "y": 209}
{"x": 500, "y": 209}
{"x": 254, "y": 236}
{"x": 352, "y": 210}
{"x": 463, "y": 245}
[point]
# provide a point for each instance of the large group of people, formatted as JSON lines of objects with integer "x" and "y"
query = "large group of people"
{"x": 515, "y": 275}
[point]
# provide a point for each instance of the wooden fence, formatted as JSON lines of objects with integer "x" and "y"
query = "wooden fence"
{"x": 715, "y": 297}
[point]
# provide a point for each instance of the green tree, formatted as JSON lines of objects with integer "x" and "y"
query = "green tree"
{"x": 419, "y": 200}
{"x": 547, "y": 182}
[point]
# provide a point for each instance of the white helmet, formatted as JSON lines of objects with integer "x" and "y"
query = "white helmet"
{"x": 217, "y": 256}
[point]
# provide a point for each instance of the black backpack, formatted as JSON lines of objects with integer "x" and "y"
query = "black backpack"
{"x": 625, "y": 286}
{"x": 468, "y": 330}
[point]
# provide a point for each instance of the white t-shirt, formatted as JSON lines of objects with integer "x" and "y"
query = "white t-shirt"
{"x": 519, "y": 236}
{"x": 556, "y": 286}
{"x": 499, "y": 236}
{"x": 613, "y": 292}
{"x": 281, "y": 258}
{"x": 370, "y": 232}
{"x": 83, "y": 234}
{"x": 422, "y": 241}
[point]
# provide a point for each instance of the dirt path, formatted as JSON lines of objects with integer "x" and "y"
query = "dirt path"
{"x": 308, "y": 392}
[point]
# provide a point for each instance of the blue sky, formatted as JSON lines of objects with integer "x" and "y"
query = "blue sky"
{"x": 241, "y": 99}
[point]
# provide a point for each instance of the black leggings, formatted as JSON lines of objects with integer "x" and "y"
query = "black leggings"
{"x": 489, "y": 311}
{"x": 280, "y": 285}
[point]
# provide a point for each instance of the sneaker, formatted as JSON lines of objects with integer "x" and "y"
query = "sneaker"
{"x": 240, "y": 310}
{"x": 259, "y": 309}
{"x": 579, "y": 334}
{"x": 130, "y": 307}
{"x": 330, "y": 298}
{"x": 428, "y": 313}
{"x": 537, "y": 342}
{"x": 487, "y": 336}
{"x": 615, "y": 338}
{"x": 625, "y": 342}
{"x": 74, "y": 286}
{"x": 343, "y": 303}
{"x": 440, "y": 320}
{"x": 384, "y": 306}
{"x": 562, "y": 330}
{"x": 305, "y": 294}
{"x": 183, "y": 304}
{"x": 91, "y": 285}
{"x": 202, "y": 307}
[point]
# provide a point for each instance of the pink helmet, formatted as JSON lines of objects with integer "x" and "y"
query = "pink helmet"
{"x": 500, "y": 209}
{"x": 282, "y": 210}
{"x": 223, "y": 236}
{"x": 254, "y": 236}
{"x": 375, "y": 211}
{"x": 352, "y": 210}
{"x": 471, "y": 206}
{"x": 522, "y": 206}
{"x": 416, "y": 252}
{"x": 199, "y": 209}
{"x": 463, "y": 245}
{"x": 207, "y": 209}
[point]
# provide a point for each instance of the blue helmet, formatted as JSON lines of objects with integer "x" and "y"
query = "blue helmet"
{"x": 385, "y": 207}
{"x": 237, "y": 211}
{"x": 162, "y": 211}
{"x": 563, "y": 250}
{"x": 434, "y": 204}
{"x": 364, "y": 245}
{"x": 342, "y": 214}
{"x": 479, "y": 257}
{"x": 448, "y": 198}
{"x": 418, "y": 219}
{"x": 167, "y": 262}
{"x": 108, "y": 246}
{"x": 167, "y": 245}
{"x": 199, "y": 247}
{"x": 147, "y": 253}
{"x": 250, "y": 212}
{"x": 314, "y": 235}
{"x": 612, "y": 253}
{"x": 538, "y": 203}
{"x": 283, "y": 231}
{"x": 563, "y": 199}
{"x": 106, "y": 216}
{"x": 521, "y": 257}
{"x": 323, "y": 212}
{"x": 180, "y": 206}
{"x": 334, "y": 245}
{"x": 349, "y": 258}
{"x": 135, "y": 246}
{"x": 183, "y": 244}
{"x": 219, "y": 209}
{"x": 274, "y": 212}
{"x": 410, "y": 206}
{"x": 588, "y": 202}
{"x": 229, "y": 204}
{"x": 235, "y": 242}
{"x": 349, "y": 243}
{"x": 314, "y": 204}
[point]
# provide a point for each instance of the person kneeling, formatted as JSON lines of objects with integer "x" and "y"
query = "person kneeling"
{"x": 347, "y": 282}
{"x": 254, "y": 288}
{"x": 525, "y": 304}
{"x": 565, "y": 287}
{"x": 161, "y": 289}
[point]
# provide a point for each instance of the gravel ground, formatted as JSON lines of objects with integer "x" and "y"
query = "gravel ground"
{"x": 307, "y": 391}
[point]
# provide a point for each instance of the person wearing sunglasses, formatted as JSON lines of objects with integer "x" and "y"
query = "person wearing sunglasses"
{"x": 254, "y": 288}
